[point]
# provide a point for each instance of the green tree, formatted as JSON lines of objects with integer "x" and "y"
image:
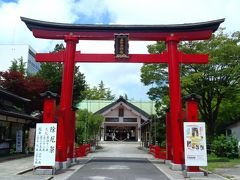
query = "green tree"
{"x": 216, "y": 81}
{"x": 18, "y": 65}
{"x": 158, "y": 129}
{"x": 52, "y": 72}
{"x": 223, "y": 146}
{"x": 26, "y": 86}
{"x": 100, "y": 92}
{"x": 88, "y": 126}
{"x": 228, "y": 114}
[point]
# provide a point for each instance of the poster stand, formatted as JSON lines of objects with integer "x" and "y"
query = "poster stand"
{"x": 45, "y": 149}
{"x": 44, "y": 170}
{"x": 194, "y": 148}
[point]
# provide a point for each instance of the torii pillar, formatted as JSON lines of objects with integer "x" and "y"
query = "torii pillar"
{"x": 175, "y": 102}
{"x": 66, "y": 102}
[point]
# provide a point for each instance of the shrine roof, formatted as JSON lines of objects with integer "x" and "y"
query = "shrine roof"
{"x": 96, "y": 105}
{"x": 121, "y": 99}
{"x": 19, "y": 115}
{"x": 8, "y": 95}
{"x": 105, "y": 31}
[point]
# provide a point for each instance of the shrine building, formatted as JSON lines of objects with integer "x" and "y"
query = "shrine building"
{"x": 124, "y": 120}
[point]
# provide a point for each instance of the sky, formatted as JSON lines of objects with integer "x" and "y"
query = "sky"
{"x": 120, "y": 78}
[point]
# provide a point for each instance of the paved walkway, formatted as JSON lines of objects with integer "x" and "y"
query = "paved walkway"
{"x": 107, "y": 168}
{"x": 123, "y": 156}
{"x": 121, "y": 149}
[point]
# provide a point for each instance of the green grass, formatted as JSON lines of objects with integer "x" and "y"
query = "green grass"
{"x": 220, "y": 162}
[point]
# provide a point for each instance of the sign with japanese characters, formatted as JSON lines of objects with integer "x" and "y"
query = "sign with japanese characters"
{"x": 19, "y": 140}
{"x": 45, "y": 144}
{"x": 195, "y": 144}
{"x": 121, "y": 46}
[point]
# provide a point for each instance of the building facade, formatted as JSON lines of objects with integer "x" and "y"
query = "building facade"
{"x": 14, "y": 122}
{"x": 234, "y": 131}
{"x": 9, "y": 52}
{"x": 124, "y": 120}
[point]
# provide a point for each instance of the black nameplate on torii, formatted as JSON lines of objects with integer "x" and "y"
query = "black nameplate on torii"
{"x": 121, "y": 46}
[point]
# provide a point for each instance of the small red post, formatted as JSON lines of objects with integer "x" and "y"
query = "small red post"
{"x": 168, "y": 136}
{"x": 49, "y": 106}
{"x": 191, "y": 102}
{"x": 157, "y": 152}
{"x": 175, "y": 99}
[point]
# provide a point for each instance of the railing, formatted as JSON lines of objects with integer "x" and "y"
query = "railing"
{"x": 157, "y": 151}
{"x": 82, "y": 150}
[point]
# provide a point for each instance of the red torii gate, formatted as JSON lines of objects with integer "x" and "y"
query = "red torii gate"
{"x": 171, "y": 34}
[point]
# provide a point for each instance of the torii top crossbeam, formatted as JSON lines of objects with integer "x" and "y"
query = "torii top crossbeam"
{"x": 190, "y": 31}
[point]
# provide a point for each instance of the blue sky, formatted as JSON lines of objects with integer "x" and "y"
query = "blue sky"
{"x": 121, "y": 78}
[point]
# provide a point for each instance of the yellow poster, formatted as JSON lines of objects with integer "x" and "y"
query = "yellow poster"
{"x": 195, "y": 144}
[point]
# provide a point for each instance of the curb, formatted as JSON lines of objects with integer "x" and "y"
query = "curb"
{"x": 210, "y": 172}
{"x": 25, "y": 171}
{"x": 14, "y": 157}
{"x": 49, "y": 178}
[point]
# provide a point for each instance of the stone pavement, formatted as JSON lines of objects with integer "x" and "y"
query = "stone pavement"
{"x": 14, "y": 169}
{"x": 232, "y": 173}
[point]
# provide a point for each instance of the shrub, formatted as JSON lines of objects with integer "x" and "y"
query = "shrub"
{"x": 223, "y": 146}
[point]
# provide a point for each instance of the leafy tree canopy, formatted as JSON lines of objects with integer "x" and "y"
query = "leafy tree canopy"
{"x": 52, "y": 72}
{"x": 18, "y": 83}
{"x": 87, "y": 126}
{"x": 217, "y": 82}
{"x": 100, "y": 92}
{"x": 18, "y": 65}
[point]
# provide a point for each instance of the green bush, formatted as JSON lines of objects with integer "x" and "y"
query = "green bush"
{"x": 223, "y": 146}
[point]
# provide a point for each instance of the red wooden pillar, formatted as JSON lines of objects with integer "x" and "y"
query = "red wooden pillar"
{"x": 175, "y": 99}
{"x": 169, "y": 156}
{"x": 191, "y": 103}
{"x": 71, "y": 140}
{"x": 66, "y": 99}
{"x": 49, "y": 107}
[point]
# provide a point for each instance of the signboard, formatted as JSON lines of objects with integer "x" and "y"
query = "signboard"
{"x": 4, "y": 145}
{"x": 121, "y": 46}
{"x": 45, "y": 144}
{"x": 195, "y": 144}
{"x": 19, "y": 140}
{"x": 31, "y": 137}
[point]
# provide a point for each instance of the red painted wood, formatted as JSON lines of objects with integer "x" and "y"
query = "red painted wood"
{"x": 173, "y": 57}
{"x": 175, "y": 100}
{"x": 49, "y": 110}
{"x": 133, "y": 36}
{"x": 133, "y": 58}
{"x": 169, "y": 155}
{"x": 71, "y": 135}
{"x": 66, "y": 99}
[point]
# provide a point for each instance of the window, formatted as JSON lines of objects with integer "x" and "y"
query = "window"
{"x": 129, "y": 119}
{"x": 111, "y": 120}
{"x": 2, "y": 132}
{"x": 229, "y": 132}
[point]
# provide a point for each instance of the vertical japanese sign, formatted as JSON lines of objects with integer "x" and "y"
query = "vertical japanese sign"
{"x": 19, "y": 140}
{"x": 121, "y": 46}
{"x": 45, "y": 144}
{"x": 195, "y": 144}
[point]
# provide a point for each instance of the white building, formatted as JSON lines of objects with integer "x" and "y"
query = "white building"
{"x": 124, "y": 120}
{"x": 9, "y": 52}
{"x": 234, "y": 131}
